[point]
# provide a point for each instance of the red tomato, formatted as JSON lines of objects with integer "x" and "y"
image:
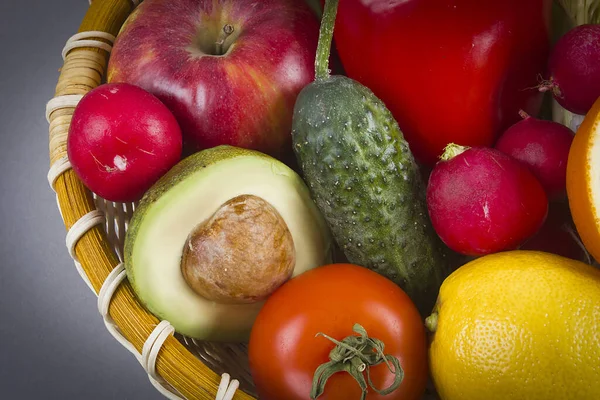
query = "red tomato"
{"x": 285, "y": 351}
{"x": 450, "y": 71}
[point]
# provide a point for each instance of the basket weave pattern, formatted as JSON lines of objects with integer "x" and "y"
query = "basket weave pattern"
{"x": 179, "y": 367}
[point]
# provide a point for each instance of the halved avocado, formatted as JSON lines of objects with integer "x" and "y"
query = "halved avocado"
{"x": 192, "y": 193}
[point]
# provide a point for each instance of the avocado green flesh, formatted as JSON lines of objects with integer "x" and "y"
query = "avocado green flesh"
{"x": 367, "y": 185}
{"x": 186, "y": 197}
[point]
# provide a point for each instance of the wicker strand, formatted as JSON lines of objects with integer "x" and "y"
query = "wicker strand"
{"x": 149, "y": 355}
{"x": 134, "y": 2}
{"x": 95, "y": 217}
{"x": 57, "y": 169}
{"x": 85, "y": 43}
{"x": 227, "y": 388}
{"x": 154, "y": 342}
{"x": 80, "y": 228}
{"x": 105, "y": 295}
{"x": 152, "y": 345}
{"x": 84, "y": 39}
{"x": 92, "y": 34}
{"x": 60, "y": 102}
{"x": 83, "y": 70}
{"x": 82, "y": 274}
{"x": 59, "y": 207}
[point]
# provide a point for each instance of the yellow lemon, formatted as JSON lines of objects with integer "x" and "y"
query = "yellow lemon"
{"x": 518, "y": 325}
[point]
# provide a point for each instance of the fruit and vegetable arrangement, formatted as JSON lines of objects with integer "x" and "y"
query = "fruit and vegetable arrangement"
{"x": 385, "y": 200}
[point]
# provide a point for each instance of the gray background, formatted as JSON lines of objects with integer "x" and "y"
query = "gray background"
{"x": 53, "y": 344}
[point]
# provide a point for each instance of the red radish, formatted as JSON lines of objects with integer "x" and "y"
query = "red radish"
{"x": 482, "y": 201}
{"x": 544, "y": 147}
{"x": 574, "y": 69}
{"x": 121, "y": 140}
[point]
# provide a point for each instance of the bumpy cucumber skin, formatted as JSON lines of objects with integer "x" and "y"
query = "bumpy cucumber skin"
{"x": 364, "y": 179}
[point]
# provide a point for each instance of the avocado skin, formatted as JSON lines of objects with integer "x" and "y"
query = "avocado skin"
{"x": 180, "y": 172}
{"x": 364, "y": 179}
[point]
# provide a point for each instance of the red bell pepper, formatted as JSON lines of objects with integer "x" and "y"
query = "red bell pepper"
{"x": 449, "y": 70}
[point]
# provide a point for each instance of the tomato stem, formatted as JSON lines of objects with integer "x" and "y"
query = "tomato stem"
{"x": 355, "y": 355}
{"x": 325, "y": 39}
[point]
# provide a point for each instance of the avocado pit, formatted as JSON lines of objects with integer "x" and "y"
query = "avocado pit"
{"x": 241, "y": 254}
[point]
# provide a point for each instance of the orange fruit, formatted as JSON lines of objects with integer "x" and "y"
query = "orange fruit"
{"x": 583, "y": 181}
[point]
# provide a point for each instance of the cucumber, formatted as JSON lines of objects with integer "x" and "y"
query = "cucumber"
{"x": 364, "y": 179}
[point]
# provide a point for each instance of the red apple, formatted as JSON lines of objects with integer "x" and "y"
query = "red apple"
{"x": 121, "y": 140}
{"x": 229, "y": 70}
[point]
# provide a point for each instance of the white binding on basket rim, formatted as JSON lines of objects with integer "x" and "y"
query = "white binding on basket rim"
{"x": 59, "y": 167}
{"x": 83, "y": 39}
{"x": 152, "y": 345}
{"x": 80, "y": 228}
{"x": 164, "y": 329}
{"x": 110, "y": 285}
{"x": 60, "y": 102}
{"x": 227, "y": 388}
{"x": 150, "y": 352}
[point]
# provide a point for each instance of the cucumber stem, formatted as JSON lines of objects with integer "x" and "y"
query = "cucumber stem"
{"x": 452, "y": 150}
{"x": 325, "y": 39}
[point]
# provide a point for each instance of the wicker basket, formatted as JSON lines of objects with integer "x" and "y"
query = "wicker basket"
{"x": 177, "y": 366}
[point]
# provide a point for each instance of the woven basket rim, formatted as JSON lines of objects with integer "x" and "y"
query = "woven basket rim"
{"x": 84, "y": 69}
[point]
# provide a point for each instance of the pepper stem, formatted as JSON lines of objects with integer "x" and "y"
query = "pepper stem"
{"x": 325, "y": 39}
{"x": 452, "y": 150}
{"x": 355, "y": 355}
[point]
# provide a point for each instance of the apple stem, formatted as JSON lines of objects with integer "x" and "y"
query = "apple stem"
{"x": 325, "y": 38}
{"x": 225, "y": 32}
